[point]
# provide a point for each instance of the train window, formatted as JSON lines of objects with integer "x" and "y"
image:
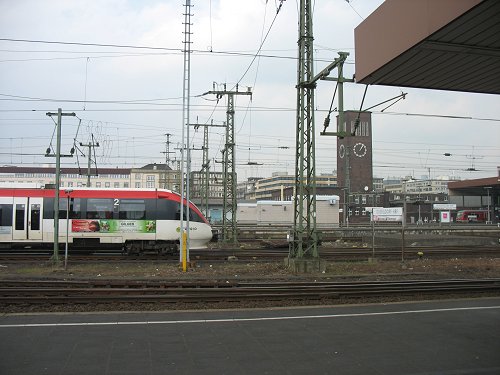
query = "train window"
{"x": 74, "y": 208}
{"x": 132, "y": 209}
{"x": 48, "y": 208}
{"x": 100, "y": 208}
{"x": 20, "y": 212}
{"x": 151, "y": 209}
{"x": 63, "y": 206}
{"x": 5, "y": 215}
{"x": 35, "y": 217}
{"x": 178, "y": 212}
{"x": 166, "y": 209}
{"x": 193, "y": 216}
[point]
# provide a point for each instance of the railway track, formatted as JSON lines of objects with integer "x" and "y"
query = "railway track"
{"x": 111, "y": 291}
{"x": 259, "y": 254}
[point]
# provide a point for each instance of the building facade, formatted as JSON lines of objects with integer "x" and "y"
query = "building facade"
{"x": 411, "y": 185}
{"x": 107, "y": 178}
{"x": 280, "y": 186}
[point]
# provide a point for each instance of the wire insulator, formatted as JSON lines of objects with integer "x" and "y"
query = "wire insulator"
{"x": 326, "y": 123}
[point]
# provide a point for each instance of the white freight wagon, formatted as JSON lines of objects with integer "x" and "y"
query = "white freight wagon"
{"x": 275, "y": 212}
{"x": 246, "y": 213}
{"x": 327, "y": 211}
{"x": 281, "y": 212}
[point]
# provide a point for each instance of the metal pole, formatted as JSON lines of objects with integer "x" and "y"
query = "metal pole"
{"x": 88, "y": 165}
{"x": 305, "y": 236}
{"x": 488, "y": 202}
{"x": 347, "y": 181}
{"x": 90, "y": 145}
{"x": 403, "y": 233}
{"x": 373, "y": 235}
{"x": 488, "y": 190}
{"x": 345, "y": 208}
{"x": 403, "y": 243}
{"x": 419, "y": 213}
{"x": 55, "y": 256}
{"x": 67, "y": 191}
{"x": 184, "y": 232}
{"x": 340, "y": 126}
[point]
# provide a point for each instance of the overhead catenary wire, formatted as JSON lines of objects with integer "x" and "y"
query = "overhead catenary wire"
{"x": 358, "y": 117}
{"x": 355, "y": 11}
{"x": 262, "y": 42}
{"x": 103, "y": 106}
{"x": 177, "y": 51}
{"x": 266, "y": 109}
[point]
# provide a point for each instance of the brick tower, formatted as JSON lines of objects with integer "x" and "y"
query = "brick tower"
{"x": 354, "y": 153}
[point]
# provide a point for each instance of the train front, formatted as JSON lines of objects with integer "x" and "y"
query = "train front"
{"x": 200, "y": 230}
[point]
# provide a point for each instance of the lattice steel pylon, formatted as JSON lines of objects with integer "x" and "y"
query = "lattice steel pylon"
{"x": 205, "y": 167}
{"x": 184, "y": 230}
{"x": 305, "y": 238}
{"x": 229, "y": 230}
{"x": 205, "y": 173}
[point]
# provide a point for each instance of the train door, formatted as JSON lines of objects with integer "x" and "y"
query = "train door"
{"x": 35, "y": 218}
{"x": 27, "y": 223}
{"x": 20, "y": 222}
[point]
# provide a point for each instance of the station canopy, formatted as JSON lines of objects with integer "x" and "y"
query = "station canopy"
{"x": 434, "y": 44}
{"x": 480, "y": 186}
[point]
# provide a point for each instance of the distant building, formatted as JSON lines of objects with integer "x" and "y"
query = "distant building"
{"x": 280, "y": 186}
{"x": 411, "y": 185}
{"x": 70, "y": 177}
{"x": 215, "y": 185}
{"x": 155, "y": 176}
{"x": 378, "y": 184}
{"x": 246, "y": 190}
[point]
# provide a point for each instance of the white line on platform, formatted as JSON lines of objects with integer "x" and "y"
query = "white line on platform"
{"x": 236, "y": 320}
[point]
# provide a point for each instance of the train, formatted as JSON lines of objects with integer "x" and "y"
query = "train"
{"x": 472, "y": 216}
{"x": 137, "y": 220}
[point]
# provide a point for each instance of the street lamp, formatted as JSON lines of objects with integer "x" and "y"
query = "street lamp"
{"x": 67, "y": 192}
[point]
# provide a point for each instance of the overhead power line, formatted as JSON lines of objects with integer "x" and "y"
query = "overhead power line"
{"x": 173, "y": 50}
{"x": 176, "y": 50}
{"x": 133, "y": 101}
{"x": 202, "y": 107}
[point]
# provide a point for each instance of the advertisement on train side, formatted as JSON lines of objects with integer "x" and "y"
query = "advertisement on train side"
{"x": 113, "y": 226}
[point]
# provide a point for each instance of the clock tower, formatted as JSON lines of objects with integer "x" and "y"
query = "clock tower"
{"x": 354, "y": 153}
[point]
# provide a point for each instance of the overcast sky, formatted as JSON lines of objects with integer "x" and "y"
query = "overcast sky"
{"x": 128, "y": 98}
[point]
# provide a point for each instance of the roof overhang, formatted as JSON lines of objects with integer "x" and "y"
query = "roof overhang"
{"x": 480, "y": 186}
{"x": 434, "y": 44}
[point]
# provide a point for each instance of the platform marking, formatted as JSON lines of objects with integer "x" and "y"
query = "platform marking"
{"x": 236, "y": 320}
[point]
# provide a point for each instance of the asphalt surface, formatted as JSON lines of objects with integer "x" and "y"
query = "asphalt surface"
{"x": 438, "y": 337}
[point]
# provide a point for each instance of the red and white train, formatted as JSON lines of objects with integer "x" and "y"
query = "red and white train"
{"x": 135, "y": 219}
{"x": 472, "y": 216}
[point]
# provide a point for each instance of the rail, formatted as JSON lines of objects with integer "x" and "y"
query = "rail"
{"x": 92, "y": 292}
{"x": 259, "y": 254}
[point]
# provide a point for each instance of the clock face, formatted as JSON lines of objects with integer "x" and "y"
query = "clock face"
{"x": 359, "y": 149}
{"x": 341, "y": 151}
